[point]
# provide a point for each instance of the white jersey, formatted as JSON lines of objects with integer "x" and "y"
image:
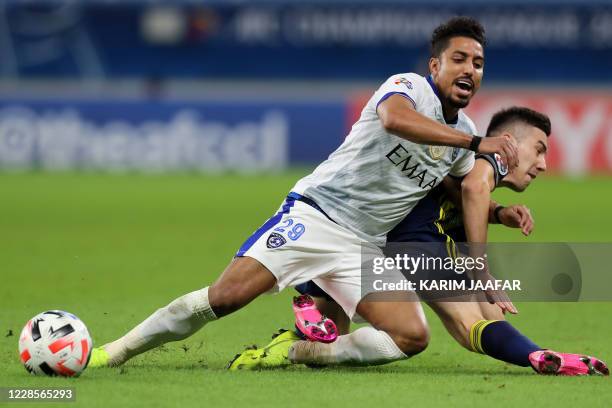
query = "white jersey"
{"x": 374, "y": 179}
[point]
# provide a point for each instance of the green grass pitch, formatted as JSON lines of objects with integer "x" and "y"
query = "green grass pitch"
{"x": 113, "y": 248}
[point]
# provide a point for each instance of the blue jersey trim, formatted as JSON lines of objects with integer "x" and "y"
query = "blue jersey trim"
{"x": 289, "y": 202}
{"x": 310, "y": 202}
{"x": 433, "y": 86}
{"x": 389, "y": 94}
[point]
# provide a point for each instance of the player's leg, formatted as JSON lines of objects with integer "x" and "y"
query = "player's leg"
{"x": 334, "y": 258}
{"x": 333, "y": 310}
{"x": 326, "y": 306}
{"x": 491, "y": 311}
{"x": 312, "y": 309}
{"x": 544, "y": 361}
{"x": 241, "y": 282}
{"x": 387, "y": 339}
{"x": 481, "y": 327}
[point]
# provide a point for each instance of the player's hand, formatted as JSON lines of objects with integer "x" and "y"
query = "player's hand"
{"x": 497, "y": 297}
{"x": 504, "y": 145}
{"x": 517, "y": 216}
{"x": 501, "y": 299}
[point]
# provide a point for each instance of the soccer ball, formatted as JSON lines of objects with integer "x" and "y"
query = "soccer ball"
{"x": 55, "y": 343}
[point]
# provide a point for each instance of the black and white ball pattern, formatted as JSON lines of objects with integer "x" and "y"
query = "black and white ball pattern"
{"x": 55, "y": 343}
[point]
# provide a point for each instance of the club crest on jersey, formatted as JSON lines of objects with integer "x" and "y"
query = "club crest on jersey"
{"x": 503, "y": 169}
{"x": 455, "y": 153}
{"x": 404, "y": 81}
{"x": 275, "y": 241}
{"x": 436, "y": 152}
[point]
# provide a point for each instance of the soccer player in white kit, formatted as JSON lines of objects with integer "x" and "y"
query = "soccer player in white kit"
{"x": 411, "y": 134}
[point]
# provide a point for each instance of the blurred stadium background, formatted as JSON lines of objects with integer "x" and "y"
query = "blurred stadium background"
{"x": 264, "y": 85}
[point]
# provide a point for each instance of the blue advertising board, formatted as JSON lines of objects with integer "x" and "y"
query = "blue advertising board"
{"x": 160, "y": 136}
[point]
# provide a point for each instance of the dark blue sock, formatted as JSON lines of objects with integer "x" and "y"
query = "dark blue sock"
{"x": 299, "y": 333}
{"x": 502, "y": 341}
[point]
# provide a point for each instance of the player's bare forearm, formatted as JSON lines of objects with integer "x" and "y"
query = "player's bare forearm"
{"x": 475, "y": 197}
{"x": 476, "y": 190}
{"x": 398, "y": 116}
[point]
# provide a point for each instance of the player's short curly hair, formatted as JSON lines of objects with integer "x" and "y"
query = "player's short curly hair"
{"x": 456, "y": 27}
{"x": 508, "y": 117}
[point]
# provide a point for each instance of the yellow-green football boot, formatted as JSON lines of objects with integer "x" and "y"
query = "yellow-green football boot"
{"x": 99, "y": 358}
{"x": 249, "y": 359}
{"x": 274, "y": 355}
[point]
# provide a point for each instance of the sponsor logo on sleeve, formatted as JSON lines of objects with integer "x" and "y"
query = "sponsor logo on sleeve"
{"x": 404, "y": 81}
{"x": 503, "y": 169}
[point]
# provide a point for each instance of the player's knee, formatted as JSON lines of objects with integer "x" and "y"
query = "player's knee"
{"x": 227, "y": 297}
{"x": 243, "y": 280}
{"x": 412, "y": 340}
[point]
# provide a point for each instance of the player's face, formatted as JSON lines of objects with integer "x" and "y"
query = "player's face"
{"x": 458, "y": 71}
{"x": 532, "y": 147}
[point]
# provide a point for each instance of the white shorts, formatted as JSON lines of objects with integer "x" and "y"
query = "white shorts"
{"x": 300, "y": 244}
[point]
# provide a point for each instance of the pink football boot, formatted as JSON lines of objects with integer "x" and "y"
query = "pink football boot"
{"x": 310, "y": 322}
{"x": 551, "y": 362}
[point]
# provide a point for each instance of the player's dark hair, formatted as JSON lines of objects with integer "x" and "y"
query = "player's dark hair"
{"x": 507, "y": 117}
{"x": 456, "y": 27}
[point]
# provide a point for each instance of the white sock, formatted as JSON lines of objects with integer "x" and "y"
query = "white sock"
{"x": 364, "y": 346}
{"x": 178, "y": 320}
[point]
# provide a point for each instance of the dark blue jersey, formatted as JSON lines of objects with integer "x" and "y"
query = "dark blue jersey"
{"x": 431, "y": 220}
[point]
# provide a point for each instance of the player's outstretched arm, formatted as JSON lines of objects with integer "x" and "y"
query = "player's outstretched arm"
{"x": 476, "y": 190}
{"x": 399, "y": 117}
